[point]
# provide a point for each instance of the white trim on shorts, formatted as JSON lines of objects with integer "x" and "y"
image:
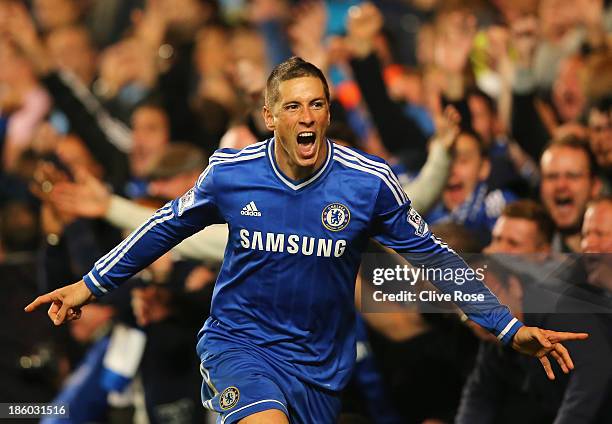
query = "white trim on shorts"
{"x": 206, "y": 377}
{"x": 253, "y": 404}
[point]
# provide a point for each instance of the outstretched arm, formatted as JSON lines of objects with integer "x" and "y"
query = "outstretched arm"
{"x": 398, "y": 226}
{"x": 168, "y": 226}
{"x": 88, "y": 197}
{"x": 66, "y": 302}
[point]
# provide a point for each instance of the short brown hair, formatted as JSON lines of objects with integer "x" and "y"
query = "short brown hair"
{"x": 534, "y": 212}
{"x": 577, "y": 143}
{"x": 292, "y": 68}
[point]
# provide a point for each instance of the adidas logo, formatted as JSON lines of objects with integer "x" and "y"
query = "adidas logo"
{"x": 250, "y": 210}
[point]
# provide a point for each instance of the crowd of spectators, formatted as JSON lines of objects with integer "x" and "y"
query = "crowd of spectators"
{"x": 495, "y": 114}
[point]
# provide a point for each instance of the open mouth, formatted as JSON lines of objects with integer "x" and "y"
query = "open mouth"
{"x": 564, "y": 203}
{"x": 306, "y": 144}
{"x": 452, "y": 187}
{"x": 307, "y": 137}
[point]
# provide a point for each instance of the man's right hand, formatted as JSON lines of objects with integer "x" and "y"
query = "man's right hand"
{"x": 66, "y": 302}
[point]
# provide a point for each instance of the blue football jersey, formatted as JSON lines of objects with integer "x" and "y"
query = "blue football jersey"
{"x": 285, "y": 290}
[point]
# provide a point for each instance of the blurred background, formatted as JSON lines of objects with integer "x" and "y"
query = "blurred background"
{"x": 495, "y": 114}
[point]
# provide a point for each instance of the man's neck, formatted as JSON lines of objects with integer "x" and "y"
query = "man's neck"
{"x": 294, "y": 170}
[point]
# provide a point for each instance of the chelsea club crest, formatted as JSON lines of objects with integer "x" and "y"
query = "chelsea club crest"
{"x": 335, "y": 216}
{"x": 229, "y": 398}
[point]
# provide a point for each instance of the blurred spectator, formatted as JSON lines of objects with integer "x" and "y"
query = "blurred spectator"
{"x": 600, "y": 139}
{"x": 511, "y": 167}
{"x": 597, "y": 243}
{"x": 466, "y": 199}
{"x": 524, "y": 227}
{"x": 568, "y": 94}
{"x": 106, "y": 138}
{"x": 168, "y": 31}
{"x": 22, "y": 101}
{"x": 399, "y": 133}
{"x": 503, "y": 388}
{"x": 569, "y": 181}
{"x": 597, "y": 247}
{"x": 72, "y": 50}
{"x": 522, "y": 240}
{"x": 550, "y": 57}
{"x": 564, "y": 29}
{"x": 128, "y": 74}
{"x": 150, "y": 136}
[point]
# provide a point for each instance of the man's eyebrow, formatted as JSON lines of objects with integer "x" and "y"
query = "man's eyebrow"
{"x": 317, "y": 99}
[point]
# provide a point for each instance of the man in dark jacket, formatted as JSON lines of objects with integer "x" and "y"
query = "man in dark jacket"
{"x": 503, "y": 387}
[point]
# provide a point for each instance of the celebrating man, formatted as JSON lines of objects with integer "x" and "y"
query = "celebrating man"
{"x": 280, "y": 341}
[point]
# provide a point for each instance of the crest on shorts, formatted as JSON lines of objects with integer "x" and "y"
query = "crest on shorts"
{"x": 419, "y": 224}
{"x": 229, "y": 398}
{"x": 335, "y": 216}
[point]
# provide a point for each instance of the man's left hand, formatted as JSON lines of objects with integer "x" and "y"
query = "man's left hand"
{"x": 540, "y": 343}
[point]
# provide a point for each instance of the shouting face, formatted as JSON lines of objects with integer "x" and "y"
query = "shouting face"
{"x": 567, "y": 185}
{"x": 299, "y": 119}
{"x": 600, "y": 137}
{"x": 469, "y": 167}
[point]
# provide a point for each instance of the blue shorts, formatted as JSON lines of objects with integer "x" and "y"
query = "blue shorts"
{"x": 238, "y": 383}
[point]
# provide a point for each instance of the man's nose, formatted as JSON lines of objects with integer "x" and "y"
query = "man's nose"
{"x": 562, "y": 185}
{"x": 307, "y": 118}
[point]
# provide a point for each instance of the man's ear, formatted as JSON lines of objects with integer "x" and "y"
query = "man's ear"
{"x": 268, "y": 118}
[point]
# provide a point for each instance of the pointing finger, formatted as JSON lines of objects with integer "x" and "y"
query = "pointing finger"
{"x": 40, "y": 300}
{"x": 556, "y": 337}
